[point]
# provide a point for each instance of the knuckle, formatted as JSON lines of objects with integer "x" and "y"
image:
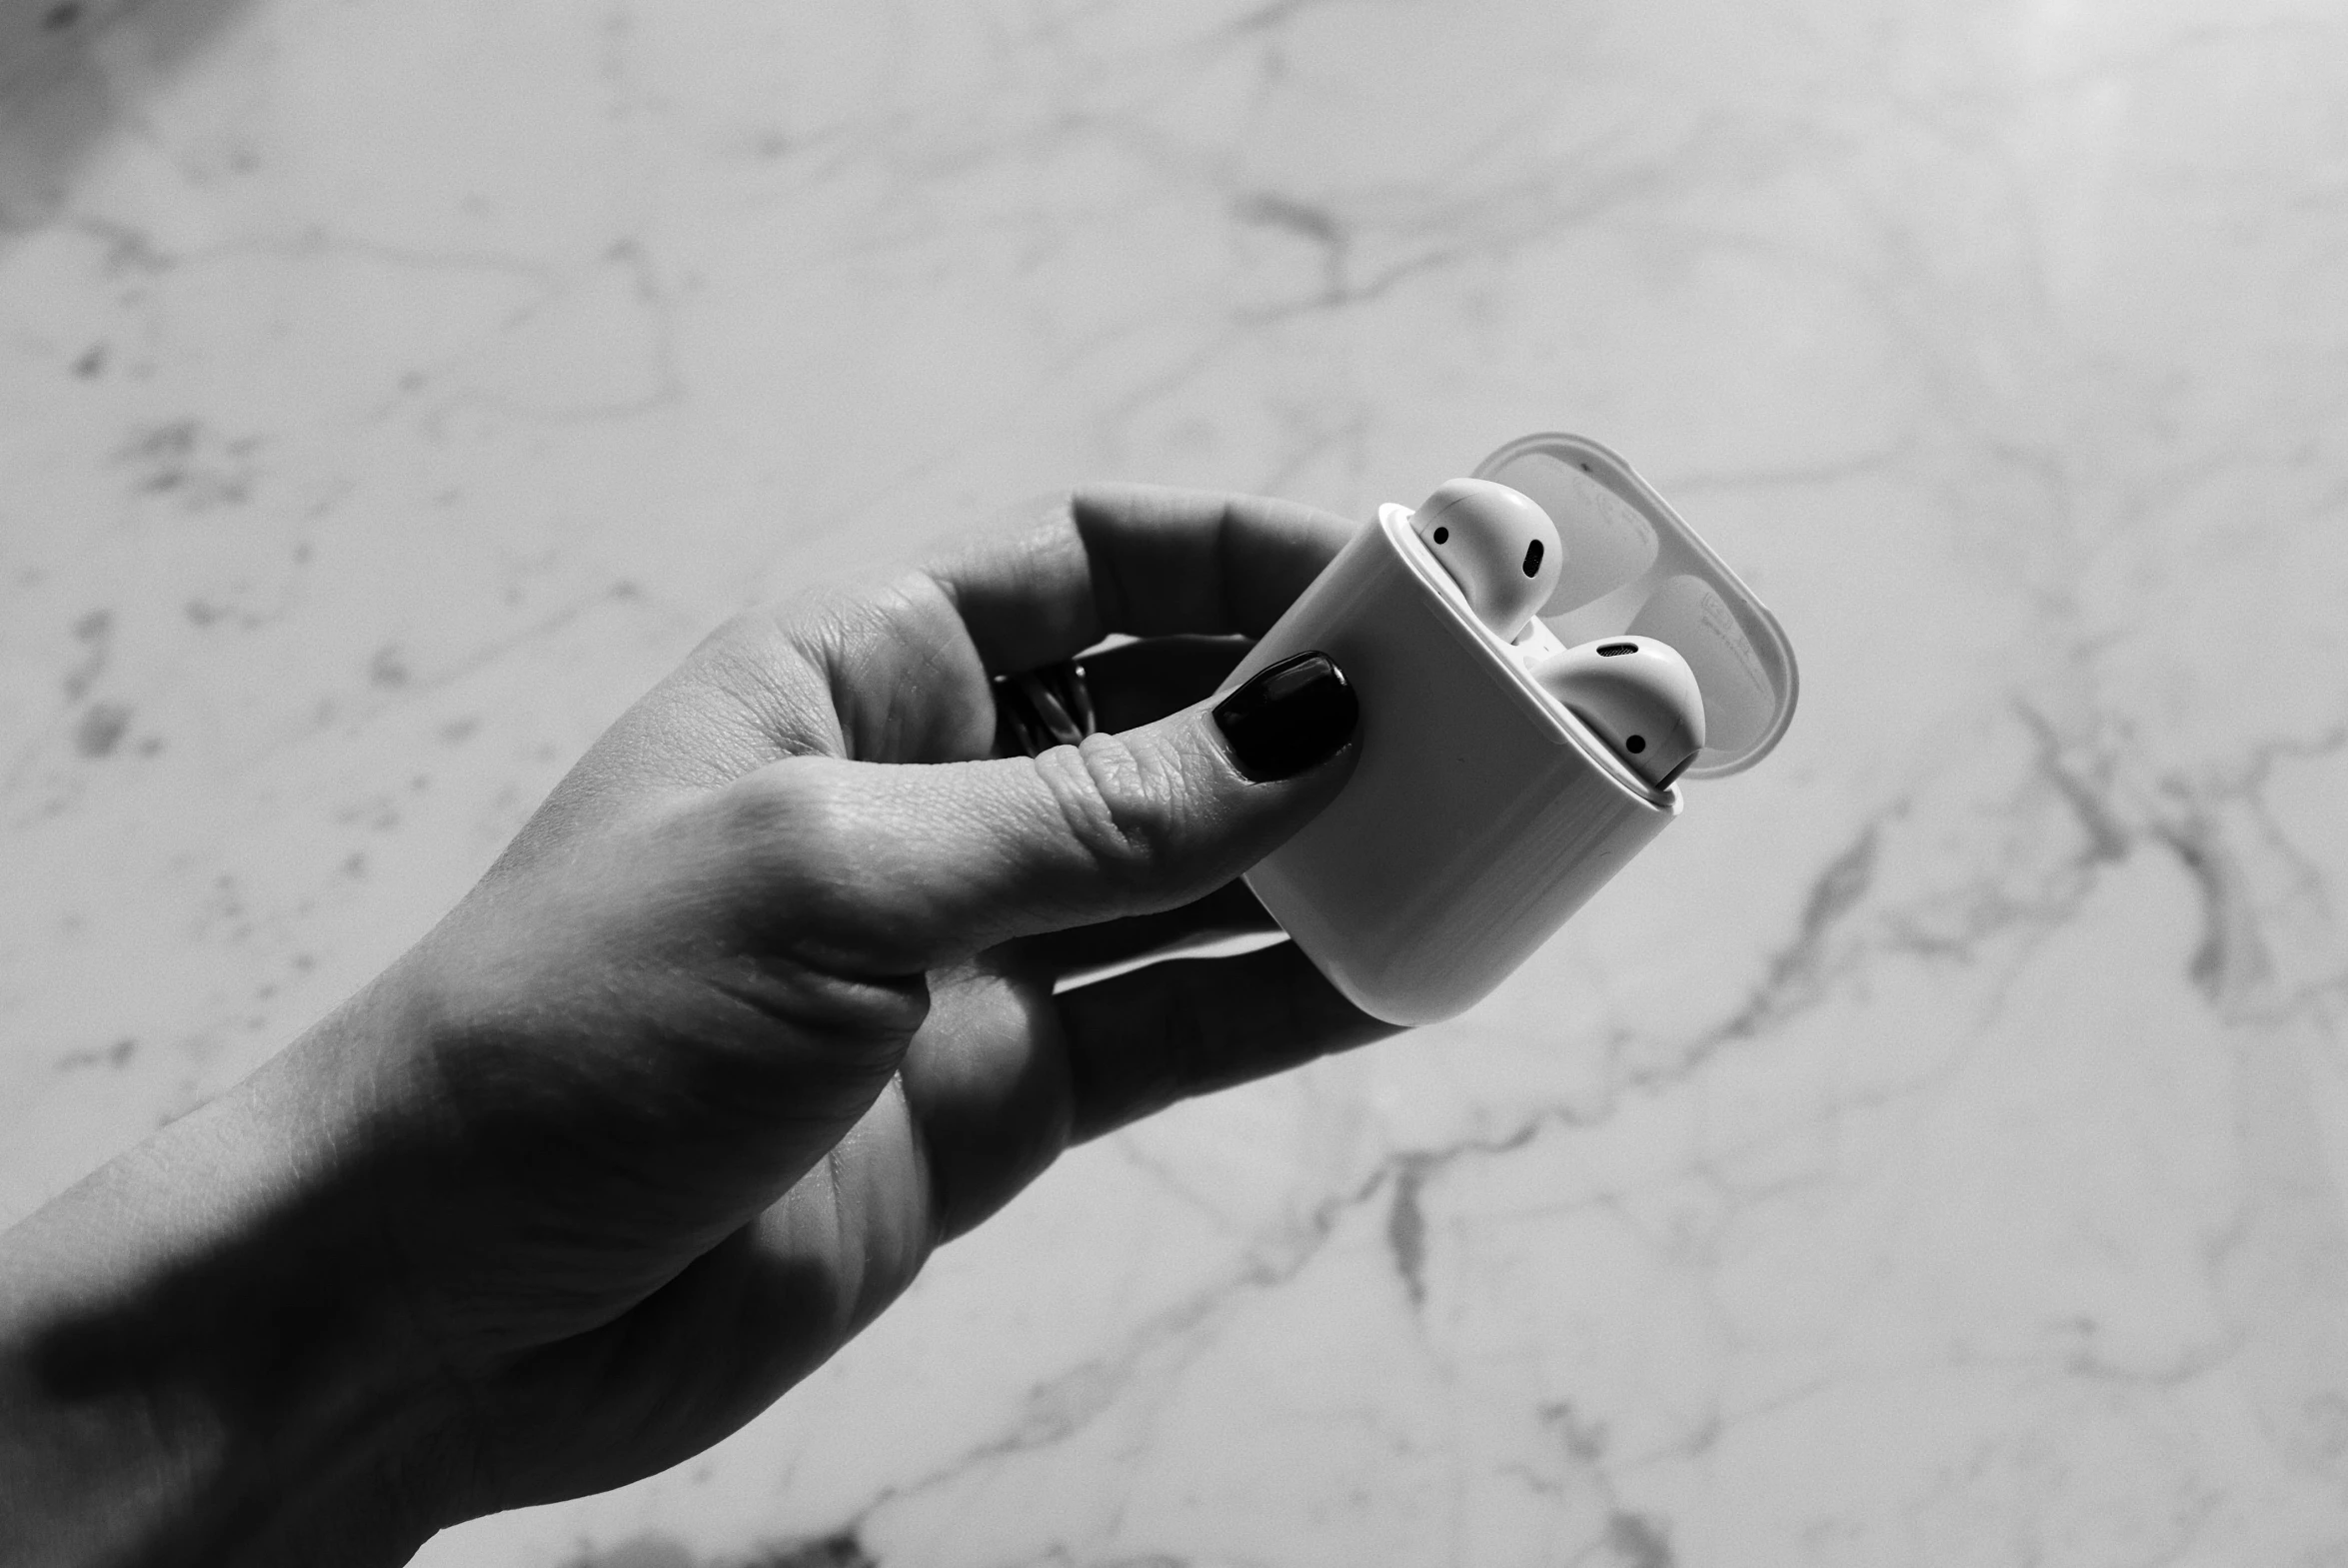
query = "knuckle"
{"x": 788, "y": 826}
{"x": 805, "y": 624}
{"x": 778, "y": 804}
{"x": 750, "y": 640}
{"x": 817, "y": 873}
{"x": 1122, "y": 806}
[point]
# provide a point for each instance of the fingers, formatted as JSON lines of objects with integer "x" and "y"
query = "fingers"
{"x": 881, "y": 869}
{"x": 1141, "y": 1041}
{"x": 986, "y": 1084}
{"x": 1140, "y": 683}
{"x": 1005, "y": 1076}
{"x": 1137, "y": 560}
{"x": 1229, "y": 911}
{"x": 1133, "y": 684}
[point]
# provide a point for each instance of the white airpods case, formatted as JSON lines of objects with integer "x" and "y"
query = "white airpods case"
{"x": 1481, "y": 814}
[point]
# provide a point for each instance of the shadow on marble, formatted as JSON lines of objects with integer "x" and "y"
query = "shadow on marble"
{"x": 61, "y": 92}
{"x": 659, "y": 1551}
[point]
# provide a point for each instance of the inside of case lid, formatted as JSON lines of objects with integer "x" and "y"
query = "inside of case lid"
{"x": 1632, "y": 566}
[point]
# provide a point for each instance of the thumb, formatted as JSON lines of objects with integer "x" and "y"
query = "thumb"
{"x": 895, "y": 867}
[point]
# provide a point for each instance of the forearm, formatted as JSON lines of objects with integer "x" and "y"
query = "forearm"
{"x": 184, "y": 1375}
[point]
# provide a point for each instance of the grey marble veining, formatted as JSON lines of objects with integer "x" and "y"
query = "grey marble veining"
{"x": 1931, "y": 1151}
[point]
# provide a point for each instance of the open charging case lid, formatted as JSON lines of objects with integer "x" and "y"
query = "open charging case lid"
{"x": 1633, "y": 567}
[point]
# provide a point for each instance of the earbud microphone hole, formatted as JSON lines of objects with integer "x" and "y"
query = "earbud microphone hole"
{"x": 1611, "y": 649}
{"x": 1496, "y": 544}
{"x": 1635, "y": 745}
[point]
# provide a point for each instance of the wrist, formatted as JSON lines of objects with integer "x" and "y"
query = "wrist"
{"x": 195, "y": 1355}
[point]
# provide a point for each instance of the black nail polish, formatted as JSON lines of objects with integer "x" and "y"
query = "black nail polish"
{"x": 1290, "y": 717}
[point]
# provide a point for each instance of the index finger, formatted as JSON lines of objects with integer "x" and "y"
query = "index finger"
{"x": 1137, "y": 559}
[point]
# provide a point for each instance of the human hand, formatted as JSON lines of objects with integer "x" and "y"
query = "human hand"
{"x": 747, "y": 1020}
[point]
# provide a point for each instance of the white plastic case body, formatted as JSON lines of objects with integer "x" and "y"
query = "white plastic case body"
{"x": 1482, "y": 815}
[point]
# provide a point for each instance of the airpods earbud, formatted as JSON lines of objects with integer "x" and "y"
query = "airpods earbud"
{"x": 1501, "y": 549}
{"x": 1498, "y": 545}
{"x": 1638, "y": 694}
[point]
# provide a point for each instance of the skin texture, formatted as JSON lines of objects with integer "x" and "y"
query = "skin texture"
{"x": 756, "y": 1011}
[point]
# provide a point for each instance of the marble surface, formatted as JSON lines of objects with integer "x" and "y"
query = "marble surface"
{"x": 1931, "y": 1151}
